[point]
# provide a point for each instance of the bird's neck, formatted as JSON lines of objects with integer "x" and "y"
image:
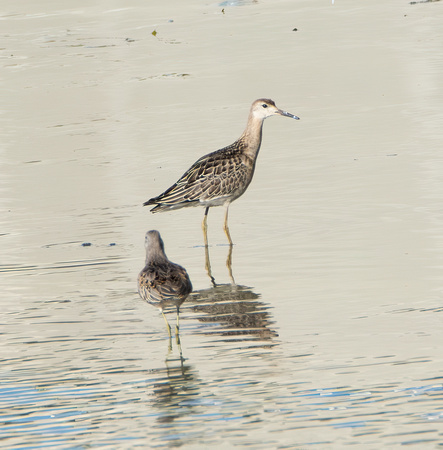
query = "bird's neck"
{"x": 251, "y": 137}
{"x": 155, "y": 255}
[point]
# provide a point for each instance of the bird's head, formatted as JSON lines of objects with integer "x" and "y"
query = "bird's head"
{"x": 264, "y": 107}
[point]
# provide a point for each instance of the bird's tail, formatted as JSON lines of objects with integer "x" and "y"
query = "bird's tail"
{"x": 151, "y": 201}
{"x": 158, "y": 206}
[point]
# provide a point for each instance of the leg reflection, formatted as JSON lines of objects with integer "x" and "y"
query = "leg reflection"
{"x": 229, "y": 263}
{"x": 177, "y": 327}
{"x": 208, "y": 266}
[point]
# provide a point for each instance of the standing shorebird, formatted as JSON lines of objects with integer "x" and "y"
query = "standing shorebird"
{"x": 220, "y": 177}
{"x": 162, "y": 283}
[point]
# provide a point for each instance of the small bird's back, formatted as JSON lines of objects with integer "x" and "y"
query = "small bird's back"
{"x": 164, "y": 284}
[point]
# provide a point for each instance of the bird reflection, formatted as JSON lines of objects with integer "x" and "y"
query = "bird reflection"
{"x": 228, "y": 265}
{"x": 234, "y": 311}
{"x": 173, "y": 387}
{"x": 161, "y": 282}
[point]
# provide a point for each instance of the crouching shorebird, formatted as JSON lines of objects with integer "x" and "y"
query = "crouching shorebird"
{"x": 162, "y": 283}
{"x": 220, "y": 177}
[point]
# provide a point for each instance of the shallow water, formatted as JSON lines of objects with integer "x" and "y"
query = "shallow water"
{"x": 332, "y": 334}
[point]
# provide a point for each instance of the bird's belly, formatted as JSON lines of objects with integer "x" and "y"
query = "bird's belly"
{"x": 217, "y": 201}
{"x": 222, "y": 199}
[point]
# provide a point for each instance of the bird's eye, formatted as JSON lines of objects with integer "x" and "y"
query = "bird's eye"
{"x": 265, "y": 105}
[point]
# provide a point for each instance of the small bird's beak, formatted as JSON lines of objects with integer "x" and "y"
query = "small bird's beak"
{"x": 284, "y": 113}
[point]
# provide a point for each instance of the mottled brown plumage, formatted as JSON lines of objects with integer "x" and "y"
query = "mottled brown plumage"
{"x": 162, "y": 283}
{"x": 212, "y": 180}
{"x": 220, "y": 177}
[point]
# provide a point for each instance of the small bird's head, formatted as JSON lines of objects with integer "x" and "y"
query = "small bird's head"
{"x": 154, "y": 243}
{"x": 264, "y": 107}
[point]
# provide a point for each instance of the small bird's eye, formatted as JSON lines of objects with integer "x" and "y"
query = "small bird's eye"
{"x": 265, "y": 105}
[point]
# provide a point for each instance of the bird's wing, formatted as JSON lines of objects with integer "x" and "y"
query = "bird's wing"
{"x": 181, "y": 281}
{"x": 215, "y": 175}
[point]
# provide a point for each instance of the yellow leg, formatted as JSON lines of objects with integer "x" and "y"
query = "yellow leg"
{"x": 225, "y": 226}
{"x": 169, "y": 331}
{"x": 205, "y": 226}
{"x": 167, "y": 324}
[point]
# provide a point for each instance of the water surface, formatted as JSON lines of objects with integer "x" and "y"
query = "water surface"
{"x": 331, "y": 335}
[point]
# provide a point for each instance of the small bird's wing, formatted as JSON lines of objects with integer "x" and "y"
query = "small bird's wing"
{"x": 215, "y": 175}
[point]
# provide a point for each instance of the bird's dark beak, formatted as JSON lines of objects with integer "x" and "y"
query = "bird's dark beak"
{"x": 284, "y": 113}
